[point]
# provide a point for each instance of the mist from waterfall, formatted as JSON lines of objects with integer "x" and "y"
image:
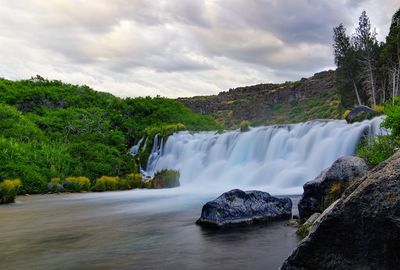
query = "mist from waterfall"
{"x": 277, "y": 159}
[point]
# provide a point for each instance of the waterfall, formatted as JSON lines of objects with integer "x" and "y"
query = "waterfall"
{"x": 135, "y": 149}
{"x": 277, "y": 159}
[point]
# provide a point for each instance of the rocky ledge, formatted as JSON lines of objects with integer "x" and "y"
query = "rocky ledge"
{"x": 361, "y": 230}
{"x": 237, "y": 206}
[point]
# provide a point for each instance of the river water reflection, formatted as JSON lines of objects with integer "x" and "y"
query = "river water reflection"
{"x": 131, "y": 230}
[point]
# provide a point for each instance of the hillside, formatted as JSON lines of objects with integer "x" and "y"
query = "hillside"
{"x": 289, "y": 102}
{"x": 50, "y": 129}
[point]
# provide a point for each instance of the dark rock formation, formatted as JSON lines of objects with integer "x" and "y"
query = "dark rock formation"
{"x": 360, "y": 113}
{"x": 237, "y": 206}
{"x": 359, "y": 231}
{"x": 315, "y": 196}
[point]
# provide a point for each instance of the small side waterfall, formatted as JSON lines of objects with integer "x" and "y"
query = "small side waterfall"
{"x": 277, "y": 159}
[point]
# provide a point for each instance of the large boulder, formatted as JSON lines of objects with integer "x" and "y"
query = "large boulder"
{"x": 359, "y": 231}
{"x": 237, "y": 206}
{"x": 360, "y": 113}
{"x": 316, "y": 196}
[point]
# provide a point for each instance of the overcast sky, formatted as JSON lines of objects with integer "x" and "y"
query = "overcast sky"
{"x": 175, "y": 47}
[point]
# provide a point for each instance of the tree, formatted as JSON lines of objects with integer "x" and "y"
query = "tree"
{"x": 365, "y": 41}
{"x": 391, "y": 54}
{"x": 345, "y": 59}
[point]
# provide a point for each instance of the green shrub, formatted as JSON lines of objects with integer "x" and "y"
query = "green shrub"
{"x": 148, "y": 184}
{"x": 379, "y": 109}
{"x": 376, "y": 150}
{"x": 244, "y": 126}
{"x": 55, "y": 180}
{"x": 106, "y": 183}
{"x": 134, "y": 180}
{"x": 392, "y": 120}
{"x": 76, "y": 184}
{"x": 166, "y": 179}
{"x": 9, "y": 190}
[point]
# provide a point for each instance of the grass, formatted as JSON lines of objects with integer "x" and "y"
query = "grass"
{"x": 376, "y": 150}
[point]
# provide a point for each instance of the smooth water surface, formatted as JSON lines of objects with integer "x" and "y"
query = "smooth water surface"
{"x": 132, "y": 230}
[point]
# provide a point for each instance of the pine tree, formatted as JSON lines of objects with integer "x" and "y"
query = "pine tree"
{"x": 365, "y": 41}
{"x": 391, "y": 53}
{"x": 345, "y": 59}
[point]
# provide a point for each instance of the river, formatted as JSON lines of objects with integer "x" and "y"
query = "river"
{"x": 137, "y": 229}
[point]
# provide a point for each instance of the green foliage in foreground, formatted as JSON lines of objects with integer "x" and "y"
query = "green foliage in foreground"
{"x": 49, "y": 129}
{"x": 376, "y": 150}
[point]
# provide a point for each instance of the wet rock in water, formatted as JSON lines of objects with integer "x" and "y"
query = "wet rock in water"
{"x": 361, "y": 230}
{"x": 330, "y": 184}
{"x": 360, "y": 113}
{"x": 237, "y": 206}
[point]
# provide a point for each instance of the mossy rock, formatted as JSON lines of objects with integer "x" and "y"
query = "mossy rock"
{"x": 166, "y": 179}
{"x": 360, "y": 113}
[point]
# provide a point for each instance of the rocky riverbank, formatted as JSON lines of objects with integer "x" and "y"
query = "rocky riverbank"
{"x": 361, "y": 230}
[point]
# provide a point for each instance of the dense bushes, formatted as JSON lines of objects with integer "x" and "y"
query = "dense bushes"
{"x": 77, "y": 184}
{"x": 106, "y": 183}
{"x": 49, "y": 129}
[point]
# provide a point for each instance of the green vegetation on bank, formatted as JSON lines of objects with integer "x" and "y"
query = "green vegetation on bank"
{"x": 376, "y": 150}
{"x": 50, "y": 130}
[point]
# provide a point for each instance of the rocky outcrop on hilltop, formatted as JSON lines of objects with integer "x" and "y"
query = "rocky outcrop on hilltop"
{"x": 326, "y": 187}
{"x": 237, "y": 206}
{"x": 305, "y": 99}
{"x": 359, "y": 231}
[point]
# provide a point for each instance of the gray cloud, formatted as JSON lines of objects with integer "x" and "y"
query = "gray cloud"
{"x": 175, "y": 47}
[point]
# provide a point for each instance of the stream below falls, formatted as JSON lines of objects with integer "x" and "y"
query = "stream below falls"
{"x": 149, "y": 229}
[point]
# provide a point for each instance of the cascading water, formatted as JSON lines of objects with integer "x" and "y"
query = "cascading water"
{"x": 277, "y": 159}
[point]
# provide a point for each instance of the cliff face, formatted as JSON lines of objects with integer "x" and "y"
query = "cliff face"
{"x": 302, "y": 100}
